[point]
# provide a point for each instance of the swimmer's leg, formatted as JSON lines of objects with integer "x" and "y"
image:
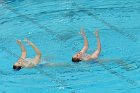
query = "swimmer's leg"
{"x": 120, "y": 62}
{"x": 97, "y": 52}
{"x": 38, "y": 56}
{"x": 85, "y": 41}
{"x": 23, "y": 50}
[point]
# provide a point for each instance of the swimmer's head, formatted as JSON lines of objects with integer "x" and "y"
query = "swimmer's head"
{"x": 76, "y": 60}
{"x": 77, "y": 57}
{"x": 17, "y": 68}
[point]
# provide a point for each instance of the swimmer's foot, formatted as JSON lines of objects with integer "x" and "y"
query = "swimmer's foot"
{"x": 82, "y": 32}
{"x": 19, "y": 42}
{"x": 27, "y": 41}
{"x": 96, "y": 33}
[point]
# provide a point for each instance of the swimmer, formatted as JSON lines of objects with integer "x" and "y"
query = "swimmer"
{"x": 24, "y": 62}
{"x": 82, "y": 56}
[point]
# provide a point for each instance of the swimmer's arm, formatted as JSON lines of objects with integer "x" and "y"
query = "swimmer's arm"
{"x": 84, "y": 49}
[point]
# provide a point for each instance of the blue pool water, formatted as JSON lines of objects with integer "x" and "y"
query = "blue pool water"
{"x": 53, "y": 25}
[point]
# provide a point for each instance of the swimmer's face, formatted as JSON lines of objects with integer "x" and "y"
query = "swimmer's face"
{"x": 17, "y": 66}
{"x": 77, "y": 57}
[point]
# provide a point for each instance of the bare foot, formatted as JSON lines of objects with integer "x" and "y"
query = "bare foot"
{"x": 19, "y": 42}
{"x": 82, "y": 32}
{"x": 27, "y": 41}
{"x": 96, "y": 33}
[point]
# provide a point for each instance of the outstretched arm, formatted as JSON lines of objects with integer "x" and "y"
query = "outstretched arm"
{"x": 84, "y": 49}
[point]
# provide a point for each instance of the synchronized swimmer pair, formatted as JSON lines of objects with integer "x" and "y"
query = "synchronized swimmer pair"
{"x": 24, "y": 62}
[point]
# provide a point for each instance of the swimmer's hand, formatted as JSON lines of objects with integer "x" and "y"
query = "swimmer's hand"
{"x": 27, "y": 41}
{"x": 19, "y": 42}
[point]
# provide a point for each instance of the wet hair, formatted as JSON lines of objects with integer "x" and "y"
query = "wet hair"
{"x": 17, "y": 68}
{"x": 76, "y": 59}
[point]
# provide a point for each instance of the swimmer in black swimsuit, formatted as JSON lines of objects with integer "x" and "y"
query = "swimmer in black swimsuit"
{"x": 24, "y": 62}
{"x": 81, "y": 56}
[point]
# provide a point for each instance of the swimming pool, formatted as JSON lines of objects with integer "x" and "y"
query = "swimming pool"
{"x": 53, "y": 25}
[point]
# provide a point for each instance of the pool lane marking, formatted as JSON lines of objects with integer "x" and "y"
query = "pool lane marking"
{"x": 126, "y": 34}
{"x": 126, "y": 65}
{"x": 89, "y": 13}
{"x": 64, "y": 85}
{"x": 120, "y": 62}
{"x": 28, "y": 18}
{"x": 130, "y": 81}
{"x": 47, "y": 30}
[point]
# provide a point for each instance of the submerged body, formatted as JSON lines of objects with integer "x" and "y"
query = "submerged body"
{"x": 24, "y": 62}
{"x": 82, "y": 56}
{"x": 29, "y": 63}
